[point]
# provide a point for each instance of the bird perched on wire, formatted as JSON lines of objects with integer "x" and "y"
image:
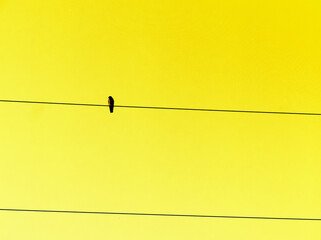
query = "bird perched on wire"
{"x": 111, "y": 103}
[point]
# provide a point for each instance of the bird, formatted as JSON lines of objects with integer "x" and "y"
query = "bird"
{"x": 111, "y": 104}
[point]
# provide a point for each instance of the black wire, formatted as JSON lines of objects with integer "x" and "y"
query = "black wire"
{"x": 160, "y": 214}
{"x": 54, "y": 103}
{"x": 163, "y": 108}
{"x": 222, "y": 110}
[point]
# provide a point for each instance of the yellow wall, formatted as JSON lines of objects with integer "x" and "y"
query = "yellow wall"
{"x": 250, "y": 55}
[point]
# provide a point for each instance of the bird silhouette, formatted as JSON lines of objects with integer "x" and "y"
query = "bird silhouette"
{"x": 111, "y": 103}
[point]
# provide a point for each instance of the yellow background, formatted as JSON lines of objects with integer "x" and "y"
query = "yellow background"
{"x": 250, "y": 55}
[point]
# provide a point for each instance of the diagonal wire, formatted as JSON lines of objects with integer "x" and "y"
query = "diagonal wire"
{"x": 160, "y": 214}
{"x": 164, "y": 108}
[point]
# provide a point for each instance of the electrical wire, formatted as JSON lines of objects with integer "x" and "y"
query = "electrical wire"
{"x": 164, "y": 108}
{"x": 160, "y": 214}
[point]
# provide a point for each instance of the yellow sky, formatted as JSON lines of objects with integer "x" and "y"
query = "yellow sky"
{"x": 250, "y": 55}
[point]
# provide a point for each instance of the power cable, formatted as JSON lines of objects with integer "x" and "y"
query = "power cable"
{"x": 164, "y": 108}
{"x": 161, "y": 214}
